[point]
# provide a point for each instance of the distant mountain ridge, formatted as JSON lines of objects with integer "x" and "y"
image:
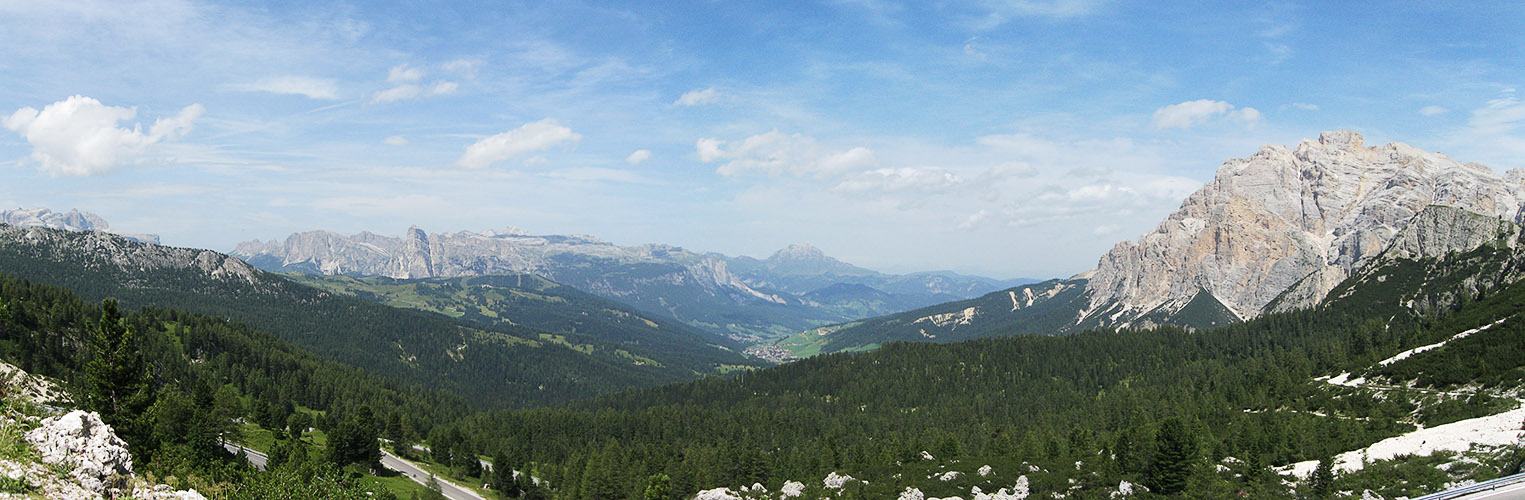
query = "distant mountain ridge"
{"x": 73, "y": 220}
{"x": 739, "y": 296}
{"x": 1276, "y": 231}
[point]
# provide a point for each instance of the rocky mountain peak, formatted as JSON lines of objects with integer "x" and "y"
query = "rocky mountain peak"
{"x": 1267, "y": 222}
{"x": 73, "y": 220}
{"x": 799, "y": 252}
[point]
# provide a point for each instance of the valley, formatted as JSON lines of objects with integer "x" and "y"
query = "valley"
{"x": 805, "y": 250}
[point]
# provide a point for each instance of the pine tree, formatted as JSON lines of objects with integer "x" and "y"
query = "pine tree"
{"x": 1175, "y": 452}
{"x": 116, "y": 382}
{"x": 1322, "y": 480}
{"x": 658, "y": 487}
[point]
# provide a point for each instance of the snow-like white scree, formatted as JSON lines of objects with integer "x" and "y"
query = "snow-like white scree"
{"x": 1493, "y": 430}
{"x": 1405, "y": 354}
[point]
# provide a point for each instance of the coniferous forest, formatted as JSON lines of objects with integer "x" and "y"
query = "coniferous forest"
{"x": 1205, "y": 413}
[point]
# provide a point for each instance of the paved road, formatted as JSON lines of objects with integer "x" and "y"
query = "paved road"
{"x": 1511, "y": 492}
{"x": 1505, "y": 488}
{"x": 256, "y": 458}
{"x": 388, "y": 460}
{"x": 418, "y": 475}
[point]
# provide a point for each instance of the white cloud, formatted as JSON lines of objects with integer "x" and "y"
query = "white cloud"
{"x": 534, "y": 136}
{"x": 1043, "y": 8}
{"x": 467, "y": 68}
{"x": 699, "y": 97}
{"x": 774, "y": 153}
{"x": 1303, "y": 106}
{"x": 79, "y": 136}
{"x": 922, "y": 179}
{"x": 403, "y": 74}
{"x": 1433, "y": 110}
{"x": 1193, "y": 113}
{"x": 312, "y": 88}
{"x": 407, "y": 84}
{"x": 638, "y": 157}
{"x": 974, "y": 219}
{"x": 395, "y": 140}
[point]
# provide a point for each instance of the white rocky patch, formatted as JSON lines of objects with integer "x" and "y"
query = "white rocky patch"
{"x": 1405, "y": 354}
{"x": 1494, "y": 430}
{"x": 948, "y": 476}
{"x": 954, "y": 319}
{"x": 986, "y": 471}
{"x": 835, "y": 481}
{"x": 912, "y": 494}
{"x": 926, "y": 456}
{"x": 792, "y": 489}
{"x": 719, "y": 494}
{"x": 100, "y": 459}
{"x": 1124, "y": 489}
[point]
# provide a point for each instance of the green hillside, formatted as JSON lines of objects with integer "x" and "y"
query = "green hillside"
{"x": 1086, "y": 409}
{"x": 505, "y": 366}
{"x": 529, "y": 301}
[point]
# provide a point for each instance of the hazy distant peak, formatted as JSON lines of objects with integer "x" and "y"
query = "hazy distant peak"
{"x": 73, "y": 220}
{"x": 799, "y": 252}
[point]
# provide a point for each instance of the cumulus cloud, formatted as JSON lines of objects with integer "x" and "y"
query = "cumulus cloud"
{"x": 699, "y": 97}
{"x": 638, "y": 157}
{"x": 774, "y": 154}
{"x": 395, "y": 140}
{"x": 1433, "y": 110}
{"x": 920, "y": 179}
{"x": 79, "y": 136}
{"x": 312, "y": 88}
{"x": 1193, "y": 113}
{"x": 532, "y": 137}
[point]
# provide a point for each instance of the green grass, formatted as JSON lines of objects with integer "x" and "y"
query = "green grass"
{"x": 20, "y": 485}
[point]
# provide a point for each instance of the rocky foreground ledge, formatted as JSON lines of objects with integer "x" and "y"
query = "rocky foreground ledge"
{"x": 73, "y": 456}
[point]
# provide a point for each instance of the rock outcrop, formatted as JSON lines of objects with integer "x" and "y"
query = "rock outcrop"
{"x": 100, "y": 460}
{"x": 98, "y": 463}
{"x": 124, "y": 253}
{"x": 1306, "y": 216}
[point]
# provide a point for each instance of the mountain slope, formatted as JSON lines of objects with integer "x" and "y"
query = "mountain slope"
{"x": 529, "y": 301}
{"x": 505, "y": 366}
{"x": 1272, "y": 220}
{"x": 1274, "y": 232}
{"x": 1073, "y": 415}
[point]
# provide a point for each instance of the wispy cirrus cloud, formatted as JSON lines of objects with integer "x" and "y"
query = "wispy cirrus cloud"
{"x": 529, "y": 138}
{"x": 310, "y": 87}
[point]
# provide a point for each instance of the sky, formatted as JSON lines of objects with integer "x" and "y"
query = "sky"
{"x": 1006, "y": 138}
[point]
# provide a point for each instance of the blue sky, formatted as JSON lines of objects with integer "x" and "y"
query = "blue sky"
{"x": 1005, "y": 138}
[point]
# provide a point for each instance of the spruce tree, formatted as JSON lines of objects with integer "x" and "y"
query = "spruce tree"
{"x": 1322, "y": 480}
{"x": 116, "y": 382}
{"x": 658, "y": 487}
{"x": 1175, "y": 452}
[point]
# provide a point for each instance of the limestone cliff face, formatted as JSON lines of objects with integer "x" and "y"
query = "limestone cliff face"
{"x": 1306, "y": 216}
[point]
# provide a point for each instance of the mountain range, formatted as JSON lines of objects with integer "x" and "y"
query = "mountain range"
{"x": 796, "y": 288}
{"x": 1276, "y": 231}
